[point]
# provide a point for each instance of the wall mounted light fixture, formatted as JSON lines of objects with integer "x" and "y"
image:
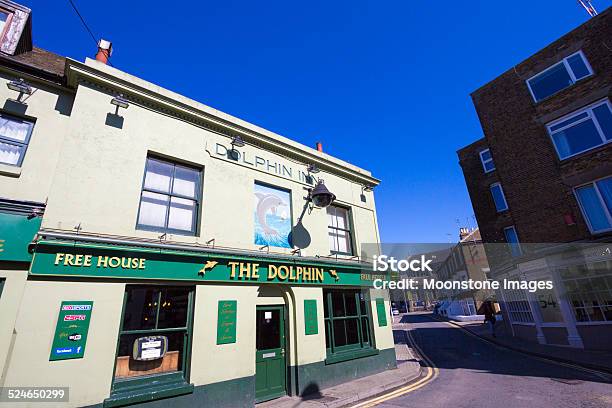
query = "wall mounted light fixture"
{"x": 120, "y": 102}
{"x": 320, "y": 196}
{"x": 237, "y": 142}
{"x": 313, "y": 169}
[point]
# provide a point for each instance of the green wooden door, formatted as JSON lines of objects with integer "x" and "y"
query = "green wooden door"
{"x": 270, "y": 365}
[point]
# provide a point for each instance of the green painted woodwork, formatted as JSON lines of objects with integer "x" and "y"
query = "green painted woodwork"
{"x": 53, "y": 258}
{"x": 350, "y": 355}
{"x": 310, "y": 317}
{"x": 16, "y": 233}
{"x": 226, "y": 321}
{"x": 381, "y": 312}
{"x": 71, "y": 330}
{"x": 270, "y": 363}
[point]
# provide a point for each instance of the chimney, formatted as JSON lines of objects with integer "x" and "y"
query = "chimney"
{"x": 105, "y": 50}
{"x": 320, "y": 146}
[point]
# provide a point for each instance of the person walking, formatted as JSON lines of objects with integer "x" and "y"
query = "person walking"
{"x": 489, "y": 313}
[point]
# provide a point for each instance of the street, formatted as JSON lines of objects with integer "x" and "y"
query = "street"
{"x": 474, "y": 373}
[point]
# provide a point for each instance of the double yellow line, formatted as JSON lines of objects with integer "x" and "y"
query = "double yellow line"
{"x": 431, "y": 374}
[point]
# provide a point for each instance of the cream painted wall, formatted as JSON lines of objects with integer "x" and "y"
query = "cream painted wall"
{"x": 211, "y": 362}
{"x": 99, "y": 179}
{"x": 89, "y": 378}
{"x": 310, "y": 348}
{"x": 50, "y": 108}
{"x": 382, "y": 335}
{"x": 14, "y": 285}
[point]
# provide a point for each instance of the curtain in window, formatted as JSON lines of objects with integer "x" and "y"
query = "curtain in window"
{"x": 10, "y": 154}
{"x": 14, "y": 130}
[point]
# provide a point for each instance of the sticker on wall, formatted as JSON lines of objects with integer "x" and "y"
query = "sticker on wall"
{"x": 226, "y": 322}
{"x": 310, "y": 317}
{"x": 272, "y": 216}
{"x": 381, "y": 312}
{"x": 71, "y": 330}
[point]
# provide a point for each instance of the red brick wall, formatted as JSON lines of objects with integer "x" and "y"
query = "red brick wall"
{"x": 537, "y": 185}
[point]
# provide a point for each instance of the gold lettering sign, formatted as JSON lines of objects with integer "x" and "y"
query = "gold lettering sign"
{"x": 105, "y": 261}
{"x": 290, "y": 273}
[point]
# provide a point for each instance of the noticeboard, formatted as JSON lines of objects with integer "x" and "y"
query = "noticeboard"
{"x": 310, "y": 317}
{"x": 71, "y": 330}
{"x": 226, "y": 322}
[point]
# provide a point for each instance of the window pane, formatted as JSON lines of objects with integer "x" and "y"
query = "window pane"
{"x": 173, "y": 308}
{"x": 186, "y": 182}
{"x": 489, "y": 166}
{"x": 498, "y": 198}
{"x": 550, "y": 82}
{"x": 268, "y": 330}
{"x": 342, "y": 218}
{"x": 325, "y": 305}
{"x": 158, "y": 175}
{"x": 338, "y": 304}
{"x": 351, "y": 304}
{"x": 333, "y": 243}
{"x": 153, "y": 209}
{"x": 339, "y": 333}
{"x": 605, "y": 189}
{"x": 341, "y": 241}
{"x": 604, "y": 118}
{"x": 10, "y": 154}
{"x": 592, "y": 208}
{"x": 569, "y": 121}
{"x": 331, "y": 217}
{"x": 578, "y": 66}
{"x": 127, "y": 367}
{"x": 14, "y": 129}
{"x": 365, "y": 330}
{"x": 577, "y": 138}
{"x": 352, "y": 331}
{"x": 3, "y": 18}
{"x": 486, "y": 155}
{"x": 140, "y": 308}
{"x": 181, "y": 214}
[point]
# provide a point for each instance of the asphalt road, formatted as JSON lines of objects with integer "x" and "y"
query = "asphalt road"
{"x": 473, "y": 374}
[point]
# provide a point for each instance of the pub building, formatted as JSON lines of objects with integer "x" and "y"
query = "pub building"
{"x": 155, "y": 251}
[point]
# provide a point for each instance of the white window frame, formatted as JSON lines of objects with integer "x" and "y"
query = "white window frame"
{"x": 501, "y": 189}
{"x": 591, "y": 116}
{"x": 484, "y": 162}
{"x": 601, "y": 201}
{"x": 569, "y": 71}
{"x": 518, "y": 242}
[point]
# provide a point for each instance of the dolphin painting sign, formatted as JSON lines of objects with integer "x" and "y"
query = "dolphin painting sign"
{"x": 272, "y": 211}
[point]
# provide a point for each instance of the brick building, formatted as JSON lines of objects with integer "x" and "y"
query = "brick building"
{"x": 543, "y": 174}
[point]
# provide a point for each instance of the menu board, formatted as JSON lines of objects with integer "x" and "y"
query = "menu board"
{"x": 381, "y": 312}
{"x": 310, "y": 316}
{"x": 226, "y": 322}
{"x": 71, "y": 330}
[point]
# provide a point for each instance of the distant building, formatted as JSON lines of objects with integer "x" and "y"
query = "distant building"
{"x": 543, "y": 174}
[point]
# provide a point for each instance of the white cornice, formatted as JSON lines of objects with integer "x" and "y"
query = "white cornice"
{"x": 133, "y": 87}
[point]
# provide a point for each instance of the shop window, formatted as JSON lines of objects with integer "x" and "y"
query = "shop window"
{"x": 595, "y": 201}
{"x": 487, "y": 161}
{"x": 559, "y": 76}
{"x": 347, "y": 322}
{"x": 14, "y": 139}
{"x": 499, "y": 197}
{"x": 589, "y": 288}
{"x": 339, "y": 230}
{"x": 170, "y": 199}
{"x": 582, "y": 130}
{"x": 154, "y": 341}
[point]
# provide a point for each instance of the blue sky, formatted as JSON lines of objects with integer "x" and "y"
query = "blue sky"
{"x": 383, "y": 84}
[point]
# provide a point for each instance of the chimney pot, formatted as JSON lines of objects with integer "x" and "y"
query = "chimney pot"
{"x": 105, "y": 50}
{"x": 319, "y": 146}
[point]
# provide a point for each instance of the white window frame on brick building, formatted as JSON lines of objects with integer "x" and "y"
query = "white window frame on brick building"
{"x": 595, "y": 116}
{"x": 600, "y": 204}
{"x": 486, "y": 162}
{"x": 498, "y": 205}
{"x": 571, "y": 71}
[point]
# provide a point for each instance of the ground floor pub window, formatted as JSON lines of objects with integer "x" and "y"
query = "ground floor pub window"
{"x": 155, "y": 336}
{"x": 347, "y": 321}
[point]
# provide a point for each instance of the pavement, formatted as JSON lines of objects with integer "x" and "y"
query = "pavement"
{"x": 593, "y": 359}
{"x": 476, "y": 373}
{"x": 348, "y": 393}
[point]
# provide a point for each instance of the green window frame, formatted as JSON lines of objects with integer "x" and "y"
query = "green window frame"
{"x": 348, "y": 324}
{"x": 144, "y": 315}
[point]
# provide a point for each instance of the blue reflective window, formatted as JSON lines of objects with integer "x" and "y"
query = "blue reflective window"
{"x": 596, "y": 204}
{"x": 512, "y": 239}
{"x": 487, "y": 160}
{"x": 559, "y": 76}
{"x": 498, "y": 197}
{"x": 582, "y": 130}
